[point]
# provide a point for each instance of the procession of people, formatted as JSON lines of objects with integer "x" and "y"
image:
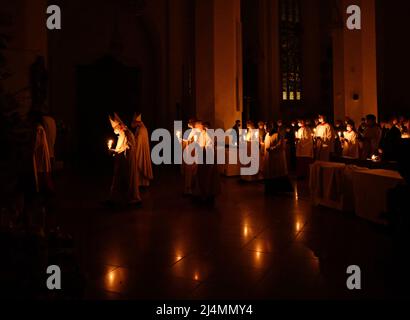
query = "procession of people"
{"x": 284, "y": 150}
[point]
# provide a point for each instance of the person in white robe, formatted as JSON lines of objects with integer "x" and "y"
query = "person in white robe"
{"x": 275, "y": 169}
{"x": 324, "y": 139}
{"x": 350, "y": 142}
{"x": 206, "y": 181}
{"x": 143, "y": 152}
{"x": 304, "y": 149}
{"x": 125, "y": 183}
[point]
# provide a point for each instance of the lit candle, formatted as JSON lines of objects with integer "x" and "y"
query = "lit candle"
{"x": 110, "y": 144}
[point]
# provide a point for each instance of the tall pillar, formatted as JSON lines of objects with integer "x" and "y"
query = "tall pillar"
{"x": 269, "y": 60}
{"x": 218, "y": 62}
{"x": 355, "y": 70}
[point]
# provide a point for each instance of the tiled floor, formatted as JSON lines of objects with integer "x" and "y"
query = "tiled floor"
{"x": 248, "y": 246}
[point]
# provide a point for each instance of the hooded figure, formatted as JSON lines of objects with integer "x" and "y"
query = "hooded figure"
{"x": 125, "y": 184}
{"x": 143, "y": 151}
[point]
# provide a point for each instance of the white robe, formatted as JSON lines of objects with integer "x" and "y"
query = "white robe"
{"x": 325, "y": 141}
{"x": 351, "y": 145}
{"x": 304, "y": 146}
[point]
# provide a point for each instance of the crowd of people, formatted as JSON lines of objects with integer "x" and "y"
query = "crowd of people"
{"x": 303, "y": 141}
{"x": 293, "y": 147}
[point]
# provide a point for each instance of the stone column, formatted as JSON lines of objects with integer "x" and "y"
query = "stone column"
{"x": 355, "y": 71}
{"x": 218, "y": 47}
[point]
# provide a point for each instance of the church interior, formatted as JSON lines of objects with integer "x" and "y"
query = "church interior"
{"x": 285, "y": 68}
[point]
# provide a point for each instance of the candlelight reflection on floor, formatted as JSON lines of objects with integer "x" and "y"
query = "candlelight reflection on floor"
{"x": 248, "y": 246}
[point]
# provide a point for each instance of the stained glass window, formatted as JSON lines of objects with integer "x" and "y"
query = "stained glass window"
{"x": 290, "y": 50}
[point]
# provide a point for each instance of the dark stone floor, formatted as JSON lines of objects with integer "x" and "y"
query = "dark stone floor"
{"x": 249, "y": 246}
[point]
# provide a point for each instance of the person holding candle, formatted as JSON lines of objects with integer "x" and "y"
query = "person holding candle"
{"x": 206, "y": 180}
{"x": 262, "y": 131}
{"x": 350, "y": 142}
{"x": 304, "y": 149}
{"x": 250, "y": 134}
{"x": 125, "y": 183}
{"x": 325, "y": 139}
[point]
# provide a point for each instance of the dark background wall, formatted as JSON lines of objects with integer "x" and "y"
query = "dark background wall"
{"x": 261, "y": 55}
{"x": 393, "y": 56}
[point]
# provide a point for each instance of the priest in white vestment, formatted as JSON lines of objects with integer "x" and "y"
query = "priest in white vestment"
{"x": 125, "y": 183}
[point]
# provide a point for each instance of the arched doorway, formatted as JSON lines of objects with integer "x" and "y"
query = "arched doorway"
{"x": 103, "y": 87}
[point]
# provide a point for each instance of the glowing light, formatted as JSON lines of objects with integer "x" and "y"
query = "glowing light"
{"x": 110, "y": 144}
{"x": 179, "y": 135}
{"x": 245, "y": 231}
{"x": 285, "y": 95}
{"x": 111, "y": 278}
{"x": 296, "y": 193}
{"x": 196, "y": 276}
{"x": 258, "y": 255}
